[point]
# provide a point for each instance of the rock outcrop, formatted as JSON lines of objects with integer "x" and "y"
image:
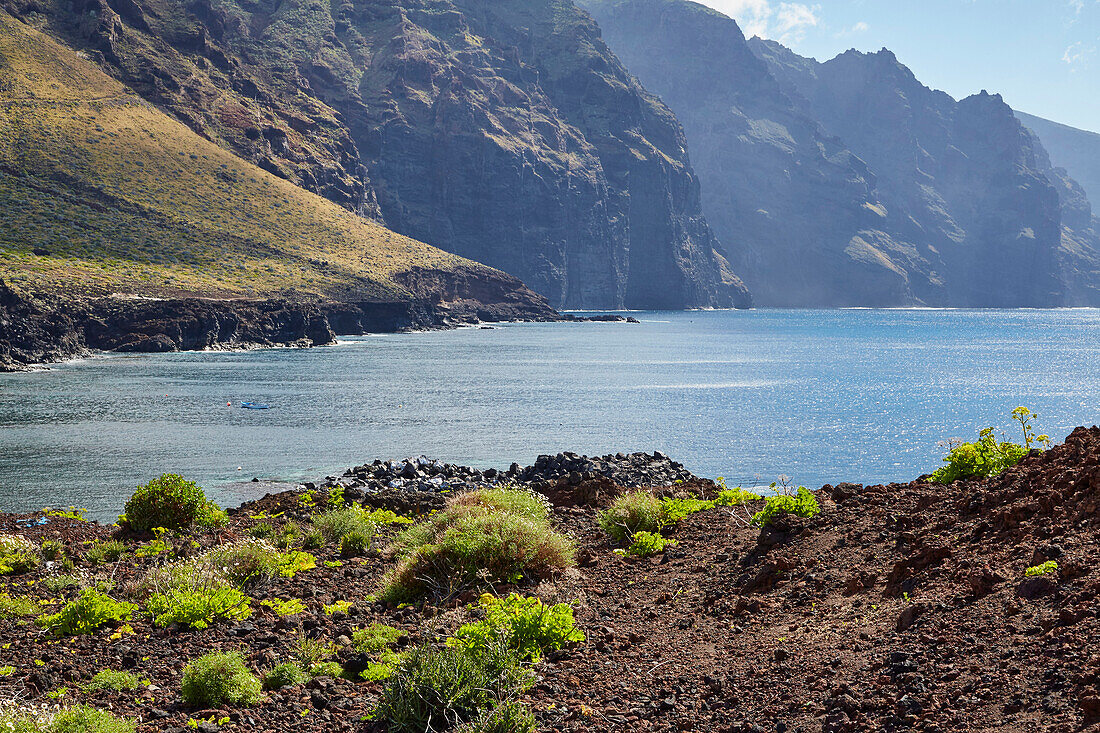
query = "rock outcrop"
{"x": 506, "y": 132}
{"x": 849, "y": 182}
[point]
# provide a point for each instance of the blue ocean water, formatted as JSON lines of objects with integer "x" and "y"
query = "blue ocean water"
{"x": 819, "y": 396}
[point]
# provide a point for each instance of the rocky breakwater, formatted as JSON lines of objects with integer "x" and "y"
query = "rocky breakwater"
{"x": 420, "y": 484}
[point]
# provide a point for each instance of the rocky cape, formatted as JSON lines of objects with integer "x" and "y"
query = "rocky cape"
{"x": 505, "y": 132}
{"x": 851, "y": 183}
{"x": 38, "y": 328}
{"x": 897, "y": 607}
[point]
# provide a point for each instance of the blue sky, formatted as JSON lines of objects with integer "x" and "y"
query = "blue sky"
{"x": 1043, "y": 56}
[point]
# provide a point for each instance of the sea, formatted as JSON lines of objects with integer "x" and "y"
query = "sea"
{"x": 812, "y": 396}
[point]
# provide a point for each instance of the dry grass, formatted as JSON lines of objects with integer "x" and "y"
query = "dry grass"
{"x": 124, "y": 198}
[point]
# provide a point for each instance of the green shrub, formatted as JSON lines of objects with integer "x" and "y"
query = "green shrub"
{"x": 437, "y": 690}
{"x": 1048, "y": 567}
{"x": 644, "y": 544}
{"x": 261, "y": 531}
{"x": 286, "y": 536}
{"x": 527, "y": 625}
{"x": 52, "y": 550}
{"x": 735, "y": 497}
{"x": 109, "y": 679}
{"x": 383, "y": 668}
{"x": 354, "y": 543}
{"x": 338, "y": 607}
{"x": 476, "y": 540}
{"x": 87, "y": 613}
{"x": 284, "y": 608}
{"x": 510, "y": 716}
{"x": 802, "y": 503}
{"x": 336, "y": 524}
{"x": 194, "y": 593}
{"x": 634, "y": 511}
{"x": 17, "y": 554}
{"x": 326, "y": 669}
{"x": 309, "y": 652}
{"x": 106, "y": 551}
{"x": 220, "y": 678}
{"x": 171, "y": 502}
{"x": 375, "y": 637}
{"x": 16, "y": 606}
{"x": 286, "y": 674}
{"x": 674, "y": 509}
{"x": 73, "y": 719}
{"x": 987, "y": 456}
{"x": 313, "y": 540}
{"x": 57, "y": 583}
{"x": 247, "y": 562}
{"x": 385, "y": 516}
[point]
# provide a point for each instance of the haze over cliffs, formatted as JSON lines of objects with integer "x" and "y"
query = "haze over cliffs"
{"x": 849, "y": 182}
{"x": 502, "y": 131}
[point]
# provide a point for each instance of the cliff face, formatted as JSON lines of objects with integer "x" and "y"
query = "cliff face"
{"x": 849, "y": 182}
{"x": 506, "y": 132}
{"x": 1077, "y": 151}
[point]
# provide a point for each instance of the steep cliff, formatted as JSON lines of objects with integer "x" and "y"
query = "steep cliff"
{"x": 121, "y": 228}
{"x": 1078, "y": 151}
{"x": 849, "y": 182}
{"x": 506, "y": 132}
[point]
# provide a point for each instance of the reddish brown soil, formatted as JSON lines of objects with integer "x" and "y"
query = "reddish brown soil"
{"x": 900, "y": 607}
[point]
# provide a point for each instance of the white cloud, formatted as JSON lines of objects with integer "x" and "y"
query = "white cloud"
{"x": 786, "y": 22}
{"x": 1077, "y": 55}
{"x": 860, "y": 27}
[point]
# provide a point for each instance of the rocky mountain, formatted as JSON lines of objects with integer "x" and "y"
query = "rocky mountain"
{"x": 849, "y": 182}
{"x": 1078, "y": 151}
{"x": 503, "y": 131}
{"x": 123, "y": 229}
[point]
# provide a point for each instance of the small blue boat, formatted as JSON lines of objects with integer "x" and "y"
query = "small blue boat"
{"x": 255, "y": 405}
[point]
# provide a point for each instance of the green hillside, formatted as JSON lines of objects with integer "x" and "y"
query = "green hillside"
{"x": 102, "y": 192}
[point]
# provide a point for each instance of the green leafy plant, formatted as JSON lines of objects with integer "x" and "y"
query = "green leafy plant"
{"x": 644, "y": 544}
{"x": 385, "y": 516}
{"x": 286, "y": 536}
{"x": 17, "y": 554}
{"x": 194, "y": 593}
{"x": 71, "y": 719}
{"x": 87, "y": 613}
{"x": 634, "y": 511}
{"x": 220, "y": 678}
{"x": 339, "y": 607}
{"x": 383, "y": 667}
{"x": 527, "y": 625}
{"x": 309, "y": 652}
{"x": 1047, "y": 568}
{"x": 326, "y": 669}
{"x": 110, "y": 679}
{"x": 252, "y": 561}
{"x": 57, "y": 583}
{"x": 288, "y": 607}
{"x": 53, "y": 550}
{"x": 263, "y": 530}
{"x": 334, "y": 525}
{"x": 106, "y": 551}
{"x": 354, "y": 543}
{"x": 674, "y": 509}
{"x": 987, "y": 456}
{"x": 1025, "y": 417}
{"x": 16, "y": 606}
{"x": 375, "y": 637}
{"x": 286, "y": 674}
{"x": 313, "y": 540}
{"x": 442, "y": 689}
{"x": 801, "y": 503}
{"x": 172, "y": 502}
{"x": 497, "y": 535}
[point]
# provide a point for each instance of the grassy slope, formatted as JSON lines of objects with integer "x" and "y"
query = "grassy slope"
{"x": 124, "y": 198}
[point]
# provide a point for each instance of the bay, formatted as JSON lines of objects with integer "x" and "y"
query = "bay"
{"x": 819, "y": 396}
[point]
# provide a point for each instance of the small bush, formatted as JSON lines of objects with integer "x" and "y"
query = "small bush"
{"x": 106, "y": 551}
{"x": 220, "y": 678}
{"x": 284, "y": 608}
{"x": 286, "y": 674}
{"x": 15, "y": 606}
{"x": 644, "y": 544}
{"x": 475, "y": 540}
{"x": 1049, "y": 567}
{"x": 17, "y": 555}
{"x": 171, "y": 502}
{"x": 313, "y": 540}
{"x": 57, "y": 583}
{"x": 354, "y": 543}
{"x": 87, "y": 613}
{"x": 73, "y": 719}
{"x": 383, "y": 668}
{"x": 194, "y": 593}
{"x": 634, "y": 511}
{"x": 528, "y": 626}
{"x": 336, "y": 524}
{"x": 437, "y": 690}
{"x": 53, "y": 550}
{"x": 735, "y": 497}
{"x": 246, "y": 562}
{"x": 987, "y": 456}
{"x": 337, "y": 608}
{"x": 286, "y": 536}
{"x": 309, "y": 652}
{"x": 326, "y": 669}
{"x": 385, "y": 516}
{"x": 261, "y": 531}
{"x": 109, "y": 679}
{"x": 802, "y": 503}
{"x": 510, "y": 716}
{"x": 375, "y": 637}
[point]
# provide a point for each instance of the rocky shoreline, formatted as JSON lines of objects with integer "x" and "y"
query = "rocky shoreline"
{"x": 40, "y": 329}
{"x": 899, "y": 607}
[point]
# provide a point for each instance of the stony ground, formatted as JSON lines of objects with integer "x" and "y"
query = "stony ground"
{"x": 900, "y": 607}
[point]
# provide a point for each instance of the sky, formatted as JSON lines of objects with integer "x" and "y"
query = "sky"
{"x": 1042, "y": 56}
